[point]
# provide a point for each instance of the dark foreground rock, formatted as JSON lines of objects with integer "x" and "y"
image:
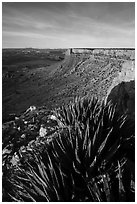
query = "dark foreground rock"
{"x": 123, "y": 96}
{"x": 122, "y": 91}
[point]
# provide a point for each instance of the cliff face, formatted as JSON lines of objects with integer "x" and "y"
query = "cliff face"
{"x": 115, "y": 80}
{"x": 120, "y": 53}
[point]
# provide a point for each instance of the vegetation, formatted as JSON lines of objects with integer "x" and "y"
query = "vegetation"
{"x": 90, "y": 158}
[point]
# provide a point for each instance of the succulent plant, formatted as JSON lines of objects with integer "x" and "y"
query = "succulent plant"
{"x": 86, "y": 161}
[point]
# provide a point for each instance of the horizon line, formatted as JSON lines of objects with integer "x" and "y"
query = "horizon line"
{"x": 70, "y": 48}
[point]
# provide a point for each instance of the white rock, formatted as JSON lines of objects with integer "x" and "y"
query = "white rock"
{"x": 42, "y": 131}
{"x": 25, "y": 122}
{"x": 52, "y": 117}
{"x": 19, "y": 128}
{"x": 31, "y": 108}
{"x": 23, "y": 136}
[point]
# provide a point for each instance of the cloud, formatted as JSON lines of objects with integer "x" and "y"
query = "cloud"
{"x": 68, "y": 24}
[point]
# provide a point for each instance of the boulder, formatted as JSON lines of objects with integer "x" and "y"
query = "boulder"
{"x": 123, "y": 95}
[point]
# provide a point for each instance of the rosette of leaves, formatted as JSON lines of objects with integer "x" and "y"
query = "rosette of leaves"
{"x": 86, "y": 161}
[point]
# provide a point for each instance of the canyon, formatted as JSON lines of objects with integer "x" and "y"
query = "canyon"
{"x": 81, "y": 72}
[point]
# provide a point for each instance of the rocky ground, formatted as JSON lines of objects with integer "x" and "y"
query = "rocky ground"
{"x": 34, "y": 124}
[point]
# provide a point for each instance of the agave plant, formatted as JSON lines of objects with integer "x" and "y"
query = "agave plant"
{"x": 86, "y": 161}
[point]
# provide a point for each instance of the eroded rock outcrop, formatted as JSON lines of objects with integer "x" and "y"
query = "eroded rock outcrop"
{"x": 127, "y": 54}
{"x": 122, "y": 90}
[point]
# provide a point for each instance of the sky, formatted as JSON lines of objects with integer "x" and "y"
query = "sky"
{"x": 68, "y": 24}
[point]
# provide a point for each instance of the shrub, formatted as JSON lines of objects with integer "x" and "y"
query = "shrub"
{"x": 86, "y": 161}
